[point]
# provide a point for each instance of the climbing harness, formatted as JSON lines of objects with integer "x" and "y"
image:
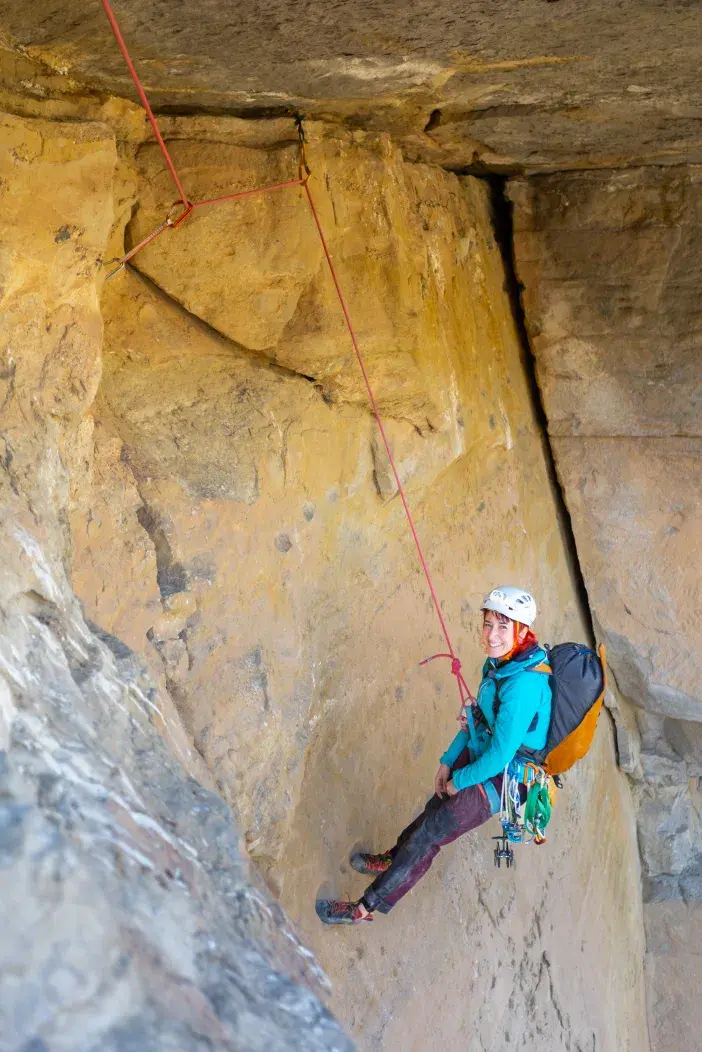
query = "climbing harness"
{"x": 303, "y": 180}
{"x": 523, "y": 819}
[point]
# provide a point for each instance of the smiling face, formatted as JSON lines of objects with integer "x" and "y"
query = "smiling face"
{"x": 497, "y": 635}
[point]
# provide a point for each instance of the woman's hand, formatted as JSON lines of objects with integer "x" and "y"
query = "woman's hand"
{"x": 440, "y": 779}
{"x": 451, "y": 789}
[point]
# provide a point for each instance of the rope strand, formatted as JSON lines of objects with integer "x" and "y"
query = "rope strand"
{"x": 144, "y": 101}
{"x": 455, "y": 663}
{"x": 302, "y": 180}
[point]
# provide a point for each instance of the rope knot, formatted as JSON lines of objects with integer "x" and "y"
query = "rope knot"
{"x": 463, "y": 688}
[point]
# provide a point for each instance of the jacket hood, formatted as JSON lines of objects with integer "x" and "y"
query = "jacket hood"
{"x": 534, "y": 655}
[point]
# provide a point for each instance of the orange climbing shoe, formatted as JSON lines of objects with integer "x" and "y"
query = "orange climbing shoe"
{"x": 373, "y": 864}
{"x": 332, "y": 911}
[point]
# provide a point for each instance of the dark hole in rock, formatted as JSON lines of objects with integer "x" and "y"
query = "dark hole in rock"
{"x": 283, "y": 542}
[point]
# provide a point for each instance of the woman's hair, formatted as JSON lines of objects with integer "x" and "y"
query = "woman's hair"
{"x": 519, "y": 645}
{"x": 524, "y": 644}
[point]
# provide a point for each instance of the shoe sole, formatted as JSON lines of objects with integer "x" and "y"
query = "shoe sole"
{"x": 356, "y": 862}
{"x": 319, "y": 907}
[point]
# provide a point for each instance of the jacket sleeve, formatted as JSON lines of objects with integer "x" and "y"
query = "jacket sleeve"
{"x": 456, "y": 747}
{"x": 519, "y": 701}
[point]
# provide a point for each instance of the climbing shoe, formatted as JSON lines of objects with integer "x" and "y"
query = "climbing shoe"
{"x": 374, "y": 864}
{"x": 332, "y": 911}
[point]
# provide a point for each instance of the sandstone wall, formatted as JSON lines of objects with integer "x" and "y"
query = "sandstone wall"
{"x": 234, "y": 519}
{"x": 130, "y": 919}
{"x": 611, "y": 267}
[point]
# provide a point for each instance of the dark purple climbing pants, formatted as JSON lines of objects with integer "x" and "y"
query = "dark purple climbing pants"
{"x": 441, "y": 822}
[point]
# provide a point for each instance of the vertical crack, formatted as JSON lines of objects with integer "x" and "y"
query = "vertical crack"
{"x": 503, "y": 228}
{"x": 545, "y": 966}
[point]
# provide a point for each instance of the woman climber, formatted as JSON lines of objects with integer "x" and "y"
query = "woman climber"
{"x": 513, "y": 709}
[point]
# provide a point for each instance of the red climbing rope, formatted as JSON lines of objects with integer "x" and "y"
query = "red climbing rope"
{"x": 456, "y": 671}
{"x": 171, "y": 224}
{"x": 247, "y": 193}
{"x": 455, "y": 663}
{"x": 188, "y": 205}
{"x": 144, "y": 101}
{"x": 303, "y": 180}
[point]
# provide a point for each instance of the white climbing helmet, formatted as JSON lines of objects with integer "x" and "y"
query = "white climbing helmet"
{"x": 513, "y": 602}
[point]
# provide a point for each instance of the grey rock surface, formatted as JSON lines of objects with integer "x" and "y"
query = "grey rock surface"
{"x": 130, "y": 919}
{"x": 674, "y": 937}
{"x": 610, "y": 266}
{"x": 533, "y": 85}
{"x": 612, "y": 270}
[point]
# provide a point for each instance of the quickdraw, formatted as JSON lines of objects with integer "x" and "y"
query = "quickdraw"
{"x": 168, "y": 223}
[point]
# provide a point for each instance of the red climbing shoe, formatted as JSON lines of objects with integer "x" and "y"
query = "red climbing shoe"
{"x": 364, "y": 863}
{"x": 331, "y": 911}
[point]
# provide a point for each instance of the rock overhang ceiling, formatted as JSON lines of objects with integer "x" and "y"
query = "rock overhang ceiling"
{"x": 530, "y": 85}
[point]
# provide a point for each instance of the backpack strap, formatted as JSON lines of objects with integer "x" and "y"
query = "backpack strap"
{"x": 543, "y": 667}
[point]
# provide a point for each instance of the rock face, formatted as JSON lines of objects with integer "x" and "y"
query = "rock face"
{"x": 286, "y": 608}
{"x": 130, "y": 918}
{"x": 265, "y": 489}
{"x": 610, "y": 265}
{"x": 248, "y": 615}
{"x": 573, "y": 84}
{"x": 212, "y": 610}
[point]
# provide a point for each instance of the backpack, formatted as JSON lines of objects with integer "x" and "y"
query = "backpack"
{"x": 578, "y": 680}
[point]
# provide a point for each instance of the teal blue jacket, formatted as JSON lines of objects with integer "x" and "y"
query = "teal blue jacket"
{"x": 523, "y": 717}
